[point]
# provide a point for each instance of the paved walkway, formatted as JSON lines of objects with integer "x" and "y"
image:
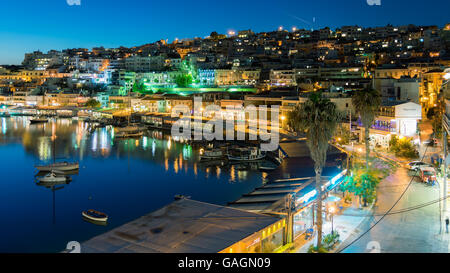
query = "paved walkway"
{"x": 415, "y": 231}
{"x": 346, "y": 223}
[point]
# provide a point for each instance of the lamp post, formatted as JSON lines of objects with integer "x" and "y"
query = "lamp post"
{"x": 332, "y": 210}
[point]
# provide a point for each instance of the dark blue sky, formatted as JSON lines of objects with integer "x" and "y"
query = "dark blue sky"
{"x": 27, "y": 25}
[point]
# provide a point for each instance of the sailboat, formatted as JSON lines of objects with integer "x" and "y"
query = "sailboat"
{"x": 58, "y": 166}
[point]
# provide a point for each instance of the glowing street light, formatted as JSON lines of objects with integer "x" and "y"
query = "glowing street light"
{"x": 332, "y": 210}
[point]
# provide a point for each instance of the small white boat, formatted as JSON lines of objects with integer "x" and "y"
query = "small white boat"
{"x": 246, "y": 154}
{"x": 127, "y": 129}
{"x": 59, "y": 166}
{"x": 211, "y": 154}
{"x": 266, "y": 168}
{"x": 129, "y": 134}
{"x": 53, "y": 177}
{"x": 95, "y": 215}
{"x": 38, "y": 120}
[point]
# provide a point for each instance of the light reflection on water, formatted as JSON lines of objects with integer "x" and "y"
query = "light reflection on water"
{"x": 124, "y": 178}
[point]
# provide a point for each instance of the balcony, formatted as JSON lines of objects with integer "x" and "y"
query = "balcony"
{"x": 446, "y": 122}
{"x": 381, "y": 125}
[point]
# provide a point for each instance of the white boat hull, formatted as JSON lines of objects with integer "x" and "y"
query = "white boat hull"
{"x": 256, "y": 158}
{"x": 105, "y": 219}
{"x": 58, "y": 167}
{"x": 53, "y": 178}
{"x": 129, "y": 135}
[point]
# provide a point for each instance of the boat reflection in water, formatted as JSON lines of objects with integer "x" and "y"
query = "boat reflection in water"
{"x": 53, "y": 186}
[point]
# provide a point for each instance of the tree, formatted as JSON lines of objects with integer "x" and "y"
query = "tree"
{"x": 366, "y": 104}
{"x": 362, "y": 183}
{"x": 139, "y": 87}
{"x": 318, "y": 118}
{"x": 342, "y": 135}
{"x": 403, "y": 147}
{"x": 435, "y": 115}
{"x": 183, "y": 80}
{"x": 93, "y": 103}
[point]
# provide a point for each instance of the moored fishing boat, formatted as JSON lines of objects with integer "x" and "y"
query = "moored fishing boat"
{"x": 4, "y": 115}
{"x": 211, "y": 154}
{"x": 129, "y": 134}
{"x": 246, "y": 154}
{"x": 38, "y": 120}
{"x": 54, "y": 177}
{"x": 59, "y": 166}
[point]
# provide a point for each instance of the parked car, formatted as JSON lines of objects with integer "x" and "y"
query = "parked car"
{"x": 416, "y": 165}
{"x": 431, "y": 142}
{"x": 428, "y": 175}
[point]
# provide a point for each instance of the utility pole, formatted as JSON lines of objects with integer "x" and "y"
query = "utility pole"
{"x": 290, "y": 218}
{"x": 350, "y": 112}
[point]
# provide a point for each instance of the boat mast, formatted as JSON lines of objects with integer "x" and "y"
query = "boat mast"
{"x": 54, "y": 146}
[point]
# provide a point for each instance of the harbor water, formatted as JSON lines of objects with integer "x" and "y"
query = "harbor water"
{"x": 125, "y": 178}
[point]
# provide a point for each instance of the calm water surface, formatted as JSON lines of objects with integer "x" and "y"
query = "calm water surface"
{"x": 124, "y": 178}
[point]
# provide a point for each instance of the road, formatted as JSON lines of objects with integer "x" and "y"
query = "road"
{"x": 410, "y": 232}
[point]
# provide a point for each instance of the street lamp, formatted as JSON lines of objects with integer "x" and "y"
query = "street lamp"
{"x": 332, "y": 210}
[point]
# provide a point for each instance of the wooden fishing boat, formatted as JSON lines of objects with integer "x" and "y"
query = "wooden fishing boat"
{"x": 95, "y": 215}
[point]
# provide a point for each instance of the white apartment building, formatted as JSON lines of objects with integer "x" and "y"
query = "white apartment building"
{"x": 394, "y": 118}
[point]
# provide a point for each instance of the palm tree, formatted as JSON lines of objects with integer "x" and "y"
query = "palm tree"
{"x": 366, "y": 104}
{"x": 318, "y": 117}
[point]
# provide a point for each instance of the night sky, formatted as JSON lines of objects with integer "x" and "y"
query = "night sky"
{"x": 28, "y": 25}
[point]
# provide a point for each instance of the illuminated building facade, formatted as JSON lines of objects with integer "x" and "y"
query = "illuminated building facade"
{"x": 393, "y": 118}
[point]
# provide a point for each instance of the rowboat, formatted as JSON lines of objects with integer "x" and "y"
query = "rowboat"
{"x": 95, "y": 215}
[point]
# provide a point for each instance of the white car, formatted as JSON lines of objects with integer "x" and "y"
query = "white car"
{"x": 416, "y": 165}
